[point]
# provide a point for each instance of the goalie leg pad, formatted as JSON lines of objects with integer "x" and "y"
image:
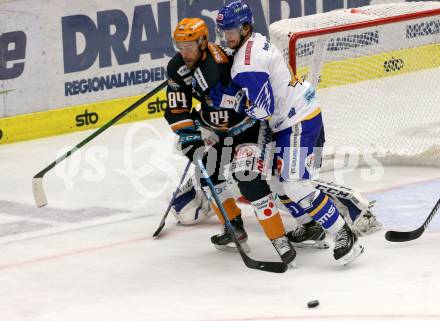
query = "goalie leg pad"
{"x": 354, "y": 207}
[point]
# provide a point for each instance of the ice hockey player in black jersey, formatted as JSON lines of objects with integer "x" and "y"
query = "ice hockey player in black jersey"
{"x": 240, "y": 140}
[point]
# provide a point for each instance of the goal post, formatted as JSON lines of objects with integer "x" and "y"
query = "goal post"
{"x": 377, "y": 71}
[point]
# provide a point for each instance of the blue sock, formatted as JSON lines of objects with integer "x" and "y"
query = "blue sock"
{"x": 295, "y": 210}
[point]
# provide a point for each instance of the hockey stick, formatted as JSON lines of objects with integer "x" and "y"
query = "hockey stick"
{"x": 162, "y": 222}
{"x": 275, "y": 267}
{"x": 395, "y": 236}
{"x": 37, "y": 181}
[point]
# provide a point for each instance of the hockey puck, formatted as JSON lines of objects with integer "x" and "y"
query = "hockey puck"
{"x": 313, "y": 304}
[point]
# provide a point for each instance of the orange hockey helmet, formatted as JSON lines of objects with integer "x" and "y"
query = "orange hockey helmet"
{"x": 190, "y": 29}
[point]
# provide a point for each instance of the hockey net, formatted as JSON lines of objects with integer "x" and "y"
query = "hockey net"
{"x": 377, "y": 71}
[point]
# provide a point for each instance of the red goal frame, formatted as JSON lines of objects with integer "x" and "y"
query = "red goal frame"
{"x": 294, "y": 37}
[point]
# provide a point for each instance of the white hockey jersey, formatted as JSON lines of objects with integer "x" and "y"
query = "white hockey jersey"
{"x": 272, "y": 91}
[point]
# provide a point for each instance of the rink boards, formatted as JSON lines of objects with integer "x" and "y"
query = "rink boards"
{"x": 56, "y": 94}
{"x": 82, "y": 117}
{"x": 95, "y": 115}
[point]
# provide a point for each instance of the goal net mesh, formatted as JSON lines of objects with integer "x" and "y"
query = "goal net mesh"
{"x": 377, "y": 71}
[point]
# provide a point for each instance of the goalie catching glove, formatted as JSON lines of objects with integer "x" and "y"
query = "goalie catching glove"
{"x": 190, "y": 205}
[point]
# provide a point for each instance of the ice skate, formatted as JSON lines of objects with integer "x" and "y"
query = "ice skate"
{"x": 347, "y": 247}
{"x": 225, "y": 241}
{"x": 285, "y": 250}
{"x": 309, "y": 235}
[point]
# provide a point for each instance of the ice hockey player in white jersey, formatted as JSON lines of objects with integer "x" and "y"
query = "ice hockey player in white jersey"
{"x": 289, "y": 104}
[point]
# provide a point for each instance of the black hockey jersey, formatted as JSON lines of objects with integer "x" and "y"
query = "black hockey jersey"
{"x": 184, "y": 84}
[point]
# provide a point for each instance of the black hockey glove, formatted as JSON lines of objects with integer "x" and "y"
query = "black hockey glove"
{"x": 191, "y": 143}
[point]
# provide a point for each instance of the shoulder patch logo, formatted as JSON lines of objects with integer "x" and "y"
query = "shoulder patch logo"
{"x": 183, "y": 70}
{"x": 200, "y": 79}
{"x": 217, "y": 53}
{"x": 174, "y": 85}
{"x": 266, "y": 45}
{"x": 188, "y": 80}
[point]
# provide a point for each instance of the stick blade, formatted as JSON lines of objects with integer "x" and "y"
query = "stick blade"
{"x": 159, "y": 229}
{"x": 274, "y": 267}
{"x": 395, "y": 236}
{"x": 38, "y": 191}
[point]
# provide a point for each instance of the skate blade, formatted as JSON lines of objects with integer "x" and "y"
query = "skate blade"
{"x": 354, "y": 253}
{"x": 320, "y": 245}
{"x": 233, "y": 249}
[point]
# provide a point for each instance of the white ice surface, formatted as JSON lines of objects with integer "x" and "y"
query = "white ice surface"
{"x": 89, "y": 255}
